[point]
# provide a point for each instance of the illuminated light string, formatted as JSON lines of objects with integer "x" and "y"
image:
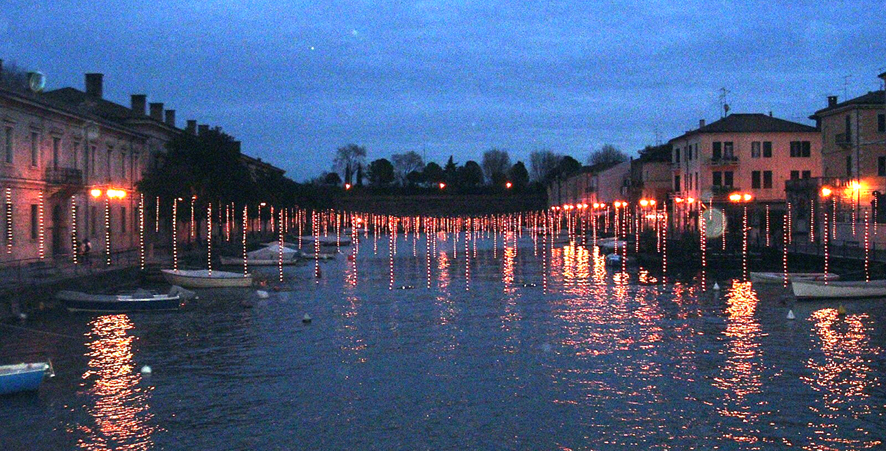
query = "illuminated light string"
{"x": 744, "y": 244}
{"x": 703, "y": 239}
{"x": 827, "y": 255}
{"x": 391, "y": 250}
{"x": 784, "y": 251}
{"x": 192, "y": 230}
{"x": 9, "y": 224}
{"x": 209, "y": 237}
{"x": 467, "y": 260}
{"x": 315, "y": 218}
{"x": 74, "y": 252}
{"x": 280, "y": 246}
{"x": 174, "y": 235}
{"x": 41, "y": 232}
{"x": 767, "y": 227}
{"x": 245, "y": 225}
{"x": 867, "y": 248}
{"x": 108, "y": 230}
{"x": 157, "y": 215}
{"x": 812, "y": 220}
{"x": 141, "y": 231}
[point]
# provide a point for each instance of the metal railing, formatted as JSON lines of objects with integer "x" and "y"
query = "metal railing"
{"x": 64, "y": 176}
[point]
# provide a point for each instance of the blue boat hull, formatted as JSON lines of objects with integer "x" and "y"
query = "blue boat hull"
{"x": 20, "y": 382}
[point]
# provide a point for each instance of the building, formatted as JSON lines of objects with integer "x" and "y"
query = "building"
{"x": 853, "y": 148}
{"x": 651, "y": 175}
{"x": 591, "y": 184}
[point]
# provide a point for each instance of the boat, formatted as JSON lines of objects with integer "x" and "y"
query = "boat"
{"x": 609, "y": 244}
{"x": 202, "y": 278}
{"x": 817, "y": 289}
{"x": 267, "y": 256}
{"x": 23, "y": 376}
{"x": 778, "y": 277}
{"x": 615, "y": 260}
{"x": 138, "y": 301}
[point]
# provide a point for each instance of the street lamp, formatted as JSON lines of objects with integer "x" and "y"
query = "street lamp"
{"x": 743, "y": 198}
{"x": 508, "y": 185}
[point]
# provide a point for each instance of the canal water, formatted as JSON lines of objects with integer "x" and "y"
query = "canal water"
{"x": 509, "y": 350}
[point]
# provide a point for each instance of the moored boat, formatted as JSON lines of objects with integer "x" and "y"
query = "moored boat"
{"x": 202, "y": 278}
{"x": 269, "y": 255}
{"x": 23, "y": 376}
{"x": 138, "y": 301}
{"x": 778, "y": 277}
{"x": 815, "y": 289}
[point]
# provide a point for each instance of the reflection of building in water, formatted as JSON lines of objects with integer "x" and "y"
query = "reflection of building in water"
{"x": 844, "y": 378}
{"x": 120, "y": 405}
{"x": 741, "y": 373}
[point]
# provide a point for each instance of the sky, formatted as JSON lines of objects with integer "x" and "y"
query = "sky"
{"x": 295, "y": 80}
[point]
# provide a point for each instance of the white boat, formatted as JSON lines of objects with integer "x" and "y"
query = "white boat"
{"x": 815, "y": 289}
{"x": 23, "y": 376}
{"x": 778, "y": 277}
{"x": 201, "y": 278}
{"x": 267, "y": 256}
{"x": 140, "y": 300}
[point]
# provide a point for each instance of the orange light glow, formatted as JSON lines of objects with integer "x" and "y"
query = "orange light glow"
{"x": 652, "y": 202}
{"x": 678, "y": 200}
{"x": 509, "y": 185}
{"x": 596, "y": 205}
{"x": 347, "y": 186}
{"x": 825, "y": 192}
{"x": 690, "y": 200}
{"x": 115, "y": 193}
{"x": 442, "y": 185}
{"x": 644, "y": 203}
{"x": 747, "y": 197}
{"x": 735, "y": 197}
{"x": 95, "y": 193}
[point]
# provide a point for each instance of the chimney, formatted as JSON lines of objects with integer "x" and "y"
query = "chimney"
{"x": 770, "y": 113}
{"x": 157, "y": 111}
{"x": 700, "y": 123}
{"x": 191, "y": 127}
{"x": 832, "y": 100}
{"x": 139, "y": 102}
{"x": 94, "y": 85}
{"x": 202, "y": 129}
{"x": 170, "y": 118}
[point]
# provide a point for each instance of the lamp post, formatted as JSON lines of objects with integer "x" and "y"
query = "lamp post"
{"x": 744, "y": 199}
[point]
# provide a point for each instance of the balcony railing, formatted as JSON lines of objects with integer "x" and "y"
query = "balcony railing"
{"x": 843, "y": 139}
{"x": 64, "y": 176}
{"x": 723, "y": 161}
{"x": 722, "y": 190}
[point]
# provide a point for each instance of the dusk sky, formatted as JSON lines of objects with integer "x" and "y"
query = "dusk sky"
{"x": 295, "y": 80}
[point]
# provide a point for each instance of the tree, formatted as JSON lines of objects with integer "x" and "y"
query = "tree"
{"x": 543, "y": 162}
{"x": 381, "y": 173}
{"x": 347, "y": 158}
{"x": 451, "y": 171}
{"x": 607, "y": 156}
{"x": 518, "y": 176}
{"x": 661, "y": 153}
{"x": 433, "y": 173}
{"x": 332, "y": 179}
{"x": 567, "y": 166}
{"x": 496, "y": 163}
{"x": 415, "y": 178}
{"x": 470, "y": 175}
{"x": 404, "y": 163}
{"x": 359, "y": 174}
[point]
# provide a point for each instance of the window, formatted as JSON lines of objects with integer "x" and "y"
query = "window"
{"x": 848, "y": 165}
{"x": 122, "y": 220}
{"x": 801, "y": 149}
{"x": 717, "y": 151}
{"x": 108, "y": 168}
{"x": 881, "y": 166}
{"x": 755, "y": 149}
{"x": 795, "y": 175}
{"x": 807, "y": 174}
{"x": 7, "y": 143}
{"x": 767, "y": 149}
{"x": 92, "y": 161}
{"x": 755, "y": 180}
{"x": 56, "y": 143}
{"x": 35, "y": 148}
{"x": 34, "y": 225}
{"x": 677, "y": 183}
{"x": 881, "y": 122}
{"x": 727, "y": 178}
{"x": 123, "y": 165}
{"x": 767, "y": 179}
{"x": 93, "y": 218}
{"x": 75, "y": 153}
{"x": 676, "y": 155}
{"x": 727, "y": 150}
{"x": 718, "y": 178}
{"x": 848, "y": 129}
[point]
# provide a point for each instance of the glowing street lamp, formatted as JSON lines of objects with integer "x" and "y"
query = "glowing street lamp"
{"x": 442, "y": 185}
{"x": 347, "y": 186}
{"x": 826, "y": 192}
{"x": 508, "y": 185}
{"x": 96, "y": 193}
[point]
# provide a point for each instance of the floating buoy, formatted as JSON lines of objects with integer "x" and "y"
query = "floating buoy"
{"x": 146, "y": 369}
{"x": 716, "y": 286}
{"x": 262, "y": 294}
{"x": 791, "y": 314}
{"x": 306, "y": 319}
{"x": 841, "y": 310}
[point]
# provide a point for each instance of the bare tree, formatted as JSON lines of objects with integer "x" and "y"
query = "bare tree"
{"x": 496, "y": 163}
{"x": 347, "y": 159}
{"x": 542, "y": 163}
{"x": 404, "y": 163}
{"x": 607, "y": 156}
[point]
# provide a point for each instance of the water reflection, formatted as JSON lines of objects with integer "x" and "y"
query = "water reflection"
{"x": 843, "y": 378}
{"x": 120, "y": 410}
{"x": 741, "y": 373}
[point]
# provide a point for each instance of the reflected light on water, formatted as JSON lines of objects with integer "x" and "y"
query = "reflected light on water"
{"x": 741, "y": 374}
{"x": 122, "y": 417}
{"x": 843, "y": 378}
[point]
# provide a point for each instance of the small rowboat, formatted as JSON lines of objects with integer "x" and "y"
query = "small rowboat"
{"x": 270, "y": 255}
{"x": 23, "y": 376}
{"x": 814, "y": 289}
{"x": 778, "y": 277}
{"x": 201, "y": 278}
{"x": 139, "y": 301}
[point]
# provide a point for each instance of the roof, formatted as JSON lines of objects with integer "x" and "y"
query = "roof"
{"x": 750, "y": 123}
{"x": 871, "y": 98}
{"x": 257, "y": 163}
{"x": 98, "y": 106}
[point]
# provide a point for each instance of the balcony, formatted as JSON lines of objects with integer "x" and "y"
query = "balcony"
{"x": 64, "y": 176}
{"x": 723, "y": 161}
{"x": 843, "y": 139}
{"x": 723, "y": 190}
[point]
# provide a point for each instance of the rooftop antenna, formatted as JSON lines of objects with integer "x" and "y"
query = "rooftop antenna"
{"x": 723, "y": 105}
{"x": 657, "y": 137}
{"x": 845, "y": 85}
